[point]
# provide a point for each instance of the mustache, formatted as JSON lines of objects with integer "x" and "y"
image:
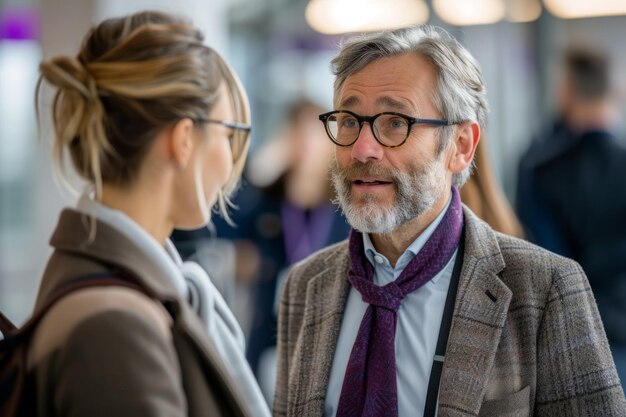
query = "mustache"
{"x": 360, "y": 169}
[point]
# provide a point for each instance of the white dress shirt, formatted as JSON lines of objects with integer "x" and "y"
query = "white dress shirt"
{"x": 419, "y": 319}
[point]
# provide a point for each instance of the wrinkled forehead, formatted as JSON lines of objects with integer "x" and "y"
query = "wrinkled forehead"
{"x": 404, "y": 83}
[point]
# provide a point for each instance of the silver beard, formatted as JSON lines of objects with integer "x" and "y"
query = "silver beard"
{"x": 416, "y": 192}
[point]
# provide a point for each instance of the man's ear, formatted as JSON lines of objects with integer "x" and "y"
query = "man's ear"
{"x": 181, "y": 142}
{"x": 465, "y": 141}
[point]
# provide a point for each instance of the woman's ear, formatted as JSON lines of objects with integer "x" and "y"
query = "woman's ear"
{"x": 181, "y": 142}
{"x": 465, "y": 141}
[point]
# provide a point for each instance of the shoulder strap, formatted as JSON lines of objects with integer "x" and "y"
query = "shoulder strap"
{"x": 99, "y": 279}
{"x": 6, "y": 326}
{"x": 432, "y": 395}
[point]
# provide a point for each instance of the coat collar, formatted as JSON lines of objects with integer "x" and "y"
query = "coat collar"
{"x": 187, "y": 321}
{"x": 475, "y": 313}
{"x": 109, "y": 248}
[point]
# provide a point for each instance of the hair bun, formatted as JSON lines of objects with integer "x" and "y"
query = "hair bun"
{"x": 69, "y": 74}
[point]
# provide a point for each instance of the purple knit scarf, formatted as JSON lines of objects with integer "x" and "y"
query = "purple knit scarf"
{"x": 369, "y": 387}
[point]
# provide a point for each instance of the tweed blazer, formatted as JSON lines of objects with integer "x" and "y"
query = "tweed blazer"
{"x": 533, "y": 346}
{"x": 113, "y": 351}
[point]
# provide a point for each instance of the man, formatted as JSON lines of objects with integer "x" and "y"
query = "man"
{"x": 359, "y": 326}
{"x": 572, "y": 188}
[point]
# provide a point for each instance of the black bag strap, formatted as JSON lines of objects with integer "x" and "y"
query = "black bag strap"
{"x": 6, "y": 326}
{"x": 98, "y": 279}
{"x": 432, "y": 394}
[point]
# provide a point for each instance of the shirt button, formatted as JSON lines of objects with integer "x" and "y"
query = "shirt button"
{"x": 379, "y": 259}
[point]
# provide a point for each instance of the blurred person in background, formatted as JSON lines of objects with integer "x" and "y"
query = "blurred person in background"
{"x": 425, "y": 310}
{"x": 571, "y": 198}
{"x": 483, "y": 195}
{"x": 285, "y": 215}
{"x": 157, "y": 123}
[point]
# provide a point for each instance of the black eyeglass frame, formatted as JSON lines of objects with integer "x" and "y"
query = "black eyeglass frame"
{"x": 371, "y": 119}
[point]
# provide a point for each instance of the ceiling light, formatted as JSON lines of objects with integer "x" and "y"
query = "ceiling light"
{"x": 522, "y": 10}
{"x": 469, "y": 12}
{"x": 344, "y": 16}
{"x": 572, "y": 9}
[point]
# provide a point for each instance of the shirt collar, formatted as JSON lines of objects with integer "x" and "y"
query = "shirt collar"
{"x": 413, "y": 248}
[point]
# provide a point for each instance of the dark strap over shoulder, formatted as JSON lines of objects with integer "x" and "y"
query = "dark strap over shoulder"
{"x": 6, "y": 326}
{"x": 99, "y": 279}
{"x": 15, "y": 389}
{"x": 434, "y": 382}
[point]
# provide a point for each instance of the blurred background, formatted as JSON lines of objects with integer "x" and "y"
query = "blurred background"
{"x": 281, "y": 49}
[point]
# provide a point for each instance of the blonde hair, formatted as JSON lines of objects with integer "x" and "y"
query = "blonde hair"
{"x": 133, "y": 77}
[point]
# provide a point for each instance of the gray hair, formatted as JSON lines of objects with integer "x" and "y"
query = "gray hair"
{"x": 460, "y": 94}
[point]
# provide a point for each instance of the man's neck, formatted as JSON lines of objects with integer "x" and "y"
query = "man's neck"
{"x": 393, "y": 244}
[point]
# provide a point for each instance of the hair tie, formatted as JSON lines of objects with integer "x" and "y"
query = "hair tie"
{"x": 89, "y": 81}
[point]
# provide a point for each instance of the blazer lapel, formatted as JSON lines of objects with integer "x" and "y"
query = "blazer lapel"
{"x": 480, "y": 314}
{"x": 326, "y": 296}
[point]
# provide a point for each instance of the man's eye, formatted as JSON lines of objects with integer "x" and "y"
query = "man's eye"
{"x": 397, "y": 123}
{"x": 350, "y": 122}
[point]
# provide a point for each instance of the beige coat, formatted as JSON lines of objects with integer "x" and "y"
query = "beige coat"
{"x": 113, "y": 351}
{"x": 539, "y": 349}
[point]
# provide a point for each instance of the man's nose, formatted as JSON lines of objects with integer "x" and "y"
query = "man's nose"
{"x": 366, "y": 147}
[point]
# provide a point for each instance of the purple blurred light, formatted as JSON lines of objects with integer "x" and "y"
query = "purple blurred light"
{"x": 19, "y": 23}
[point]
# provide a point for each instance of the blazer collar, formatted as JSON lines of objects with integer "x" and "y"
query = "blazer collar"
{"x": 481, "y": 307}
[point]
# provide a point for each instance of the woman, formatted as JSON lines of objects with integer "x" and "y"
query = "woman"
{"x": 157, "y": 123}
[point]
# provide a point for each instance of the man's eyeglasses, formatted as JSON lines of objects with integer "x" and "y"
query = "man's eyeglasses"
{"x": 389, "y": 128}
